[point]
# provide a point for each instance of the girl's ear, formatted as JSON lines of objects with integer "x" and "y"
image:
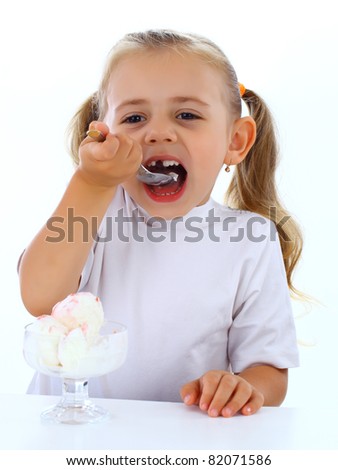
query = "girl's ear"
{"x": 243, "y": 138}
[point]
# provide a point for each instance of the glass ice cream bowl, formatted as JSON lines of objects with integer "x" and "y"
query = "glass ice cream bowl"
{"x": 75, "y": 358}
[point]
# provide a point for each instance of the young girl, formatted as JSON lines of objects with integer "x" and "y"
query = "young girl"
{"x": 202, "y": 288}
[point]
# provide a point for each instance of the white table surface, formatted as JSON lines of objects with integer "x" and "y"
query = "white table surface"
{"x": 154, "y": 425}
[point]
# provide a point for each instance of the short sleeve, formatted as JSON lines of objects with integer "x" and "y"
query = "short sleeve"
{"x": 263, "y": 329}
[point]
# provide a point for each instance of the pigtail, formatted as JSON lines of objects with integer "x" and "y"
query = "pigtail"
{"x": 78, "y": 126}
{"x": 253, "y": 186}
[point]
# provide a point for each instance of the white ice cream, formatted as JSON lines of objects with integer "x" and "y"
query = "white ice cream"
{"x": 72, "y": 348}
{"x": 49, "y": 333}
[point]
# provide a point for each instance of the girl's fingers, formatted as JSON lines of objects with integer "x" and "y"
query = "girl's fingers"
{"x": 109, "y": 159}
{"x": 230, "y": 391}
{"x": 190, "y": 392}
{"x": 111, "y": 147}
{"x": 222, "y": 393}
{"x": 106, "y": 150}
{"x": 119, "y": 147}
{"x": 209, "y": 387}
{"x": 240, "y": 396}
{"x": 129, "y": 148}
{"x": 135, "y": 157}
{"x": 253, "y": 405}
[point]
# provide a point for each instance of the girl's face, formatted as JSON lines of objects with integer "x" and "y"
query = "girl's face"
{"x": 175, "y": 107}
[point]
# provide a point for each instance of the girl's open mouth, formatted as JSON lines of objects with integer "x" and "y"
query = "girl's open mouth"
{"x": 168, "y": 192}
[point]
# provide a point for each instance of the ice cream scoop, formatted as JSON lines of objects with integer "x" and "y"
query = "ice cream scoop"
{"x": 49, "y": 333}
{"x": 81, "y": 310}
{"x": 72, "y": 349}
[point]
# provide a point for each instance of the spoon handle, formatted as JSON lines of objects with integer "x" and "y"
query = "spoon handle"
{"x": 96, "y": 135}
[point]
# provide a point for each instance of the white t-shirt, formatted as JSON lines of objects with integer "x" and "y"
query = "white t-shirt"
{"x": 202, "y": 292}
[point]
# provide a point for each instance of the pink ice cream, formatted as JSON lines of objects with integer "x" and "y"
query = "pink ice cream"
{"x": 82, "y": 310}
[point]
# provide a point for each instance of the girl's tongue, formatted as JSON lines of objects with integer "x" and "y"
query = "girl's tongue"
{"x": 166, "y": 189}
{"x": 168, "y": 192}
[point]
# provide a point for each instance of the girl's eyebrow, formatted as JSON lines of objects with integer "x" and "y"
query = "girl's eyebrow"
{"x": 184, "y": 99}
{"x": 175, "y": 99}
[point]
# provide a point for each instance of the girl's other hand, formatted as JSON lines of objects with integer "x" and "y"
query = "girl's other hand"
{"x": 108, "y": 163}
{"x": 221, "y": 393}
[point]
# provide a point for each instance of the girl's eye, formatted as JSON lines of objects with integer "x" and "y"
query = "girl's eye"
{"x": 134, "y": 119}
{"x": 187, "y": 116}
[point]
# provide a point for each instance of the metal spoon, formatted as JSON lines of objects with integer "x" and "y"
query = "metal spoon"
{"x": 144, "y": 175}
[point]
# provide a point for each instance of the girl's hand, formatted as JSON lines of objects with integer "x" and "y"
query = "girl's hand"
{"x": 222, "y": 393}
{"x": 108, "y": 163}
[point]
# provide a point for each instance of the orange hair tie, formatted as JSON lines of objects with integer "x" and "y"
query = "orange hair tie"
{"x": 242, "y": 89}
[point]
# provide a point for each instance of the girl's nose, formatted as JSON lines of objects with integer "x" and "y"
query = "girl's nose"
{"x": 158, "y": 134}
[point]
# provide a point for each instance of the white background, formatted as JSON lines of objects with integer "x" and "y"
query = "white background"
{"x": 52, "y": 54}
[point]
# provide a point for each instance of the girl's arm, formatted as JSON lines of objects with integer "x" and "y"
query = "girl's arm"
{"x": 51, "y": 266}
{"x": 222, "y": 393}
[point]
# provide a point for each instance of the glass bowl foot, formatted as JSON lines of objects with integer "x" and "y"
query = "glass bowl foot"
{"x": 83, "y": 414}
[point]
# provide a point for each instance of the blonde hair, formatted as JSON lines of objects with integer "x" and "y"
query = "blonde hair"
{"x": 253, "y": 184}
